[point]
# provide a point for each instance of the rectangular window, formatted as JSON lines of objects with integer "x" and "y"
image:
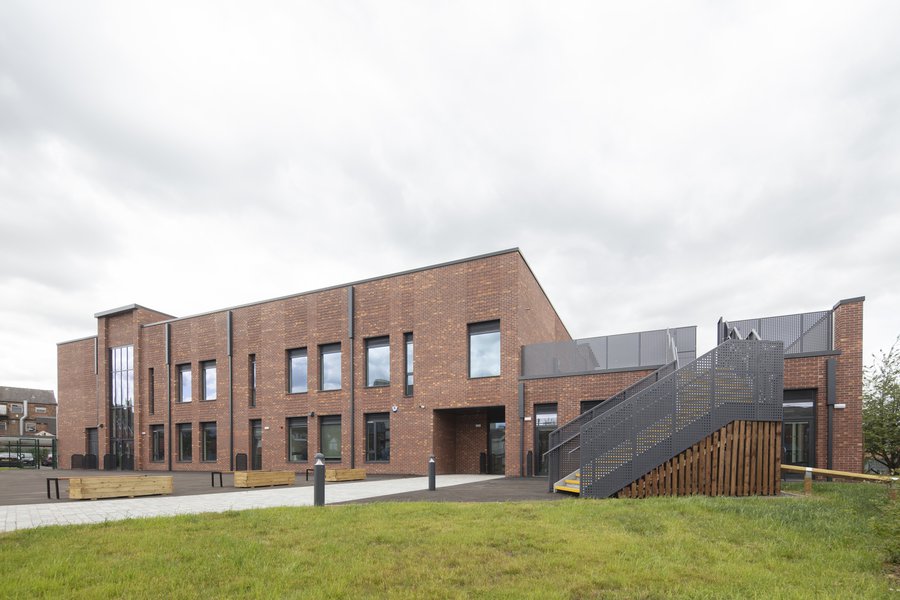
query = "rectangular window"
{"x": 157, "y": 443}
{"x": 484, "y": 349}
{"x": 209, "y": 379}
{"x": 15, "y": 408}
{"x": 378, "y": 437}
{"x": 251, "y": 383}
{"x": 40, "y": 409}
{"x": 408, "y": 342}
{"x": 330, "y": 437}
{"x": 185, "y": 450}
{"x": 184, "y": 383}
{"x": 3, "y": 425}
{"x": 378, "y": 362}
{"x": 298, "y": 440}
{"x": 208, "y": 442}
{"x": 151, "y": 392}
{"x": 330, "y": 367}
{"x": 297, "y": 371}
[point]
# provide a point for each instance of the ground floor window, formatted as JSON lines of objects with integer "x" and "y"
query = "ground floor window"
{"x": 185, "y": 450}
{"x": 798, "y": 430}
{"x": 378, "y": 437}
{"x": 208, "y": 441}
{"x": 298, "y": 440}
{"x": 545, "y": 419}
{"x": 157, "y": 443}
{"x": 330, "y": 437}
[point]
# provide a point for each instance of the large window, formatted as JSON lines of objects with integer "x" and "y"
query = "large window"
{"x": 208, "y": 442}
{"x": 408, "y": 384}
{"x": 378, "y": 437}
{"x": 185, "y": 449}
{"x": 121, "y": 398}
{"x": 330, "y": 437}
{"x": 298, "y": 440}
{"x": 209, "y": 379}
{"x": 157, "y": 443}
{"x": 330, "y": 367}
{"x": 484, "y": 349}
{"x": 184, "y": 383}
{"x": 251, "y": 383}
{"x": 378, "y": 362}
{"x": 297, "y": 363}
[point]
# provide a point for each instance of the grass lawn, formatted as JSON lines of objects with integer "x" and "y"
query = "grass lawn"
{"x": 824, "y": 546}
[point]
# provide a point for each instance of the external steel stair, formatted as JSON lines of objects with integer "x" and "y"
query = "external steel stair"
{"x": 570, "y": 484}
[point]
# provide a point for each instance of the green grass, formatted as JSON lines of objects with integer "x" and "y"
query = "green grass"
{"x": 824, "y": 546}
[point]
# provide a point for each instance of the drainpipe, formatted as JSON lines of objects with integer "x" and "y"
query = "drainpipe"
{"x": 230, "y": 335}
{"x": 22, "y": 419}
{"x": 169, "y": 392}
{"x": 522, "y": 430}
{"x": 830, "y": 383}
{"x": 350, "y": 316}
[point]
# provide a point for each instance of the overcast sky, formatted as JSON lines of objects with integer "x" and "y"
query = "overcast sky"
{"x": 658, "y": 164}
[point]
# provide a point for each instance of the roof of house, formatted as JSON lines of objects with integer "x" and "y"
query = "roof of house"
{"x": 15, "y": 394}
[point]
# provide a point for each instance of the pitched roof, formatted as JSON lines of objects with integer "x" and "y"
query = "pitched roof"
{"x": 14, "y": 394}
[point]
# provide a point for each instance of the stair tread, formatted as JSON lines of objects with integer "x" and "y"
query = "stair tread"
{"x": 566, "y": 488}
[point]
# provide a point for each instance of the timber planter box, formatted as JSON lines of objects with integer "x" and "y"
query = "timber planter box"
{"x": 124, "y": 486}
{"x": 344, "y": 474}
{"x": 251, "y": 479}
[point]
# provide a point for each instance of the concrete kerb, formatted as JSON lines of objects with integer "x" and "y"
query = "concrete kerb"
{"x": 27, "y": 516}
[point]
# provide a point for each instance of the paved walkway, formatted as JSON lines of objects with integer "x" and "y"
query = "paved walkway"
{"x": 26, "y": 516}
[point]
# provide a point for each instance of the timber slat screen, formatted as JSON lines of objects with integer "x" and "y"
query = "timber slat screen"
{"x": 739, "y": 380}
{"x": 740, "y": 459}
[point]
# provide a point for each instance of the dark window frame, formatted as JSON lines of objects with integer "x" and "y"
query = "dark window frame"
{"x": 204, "y": 449}
{"x": 291, "y": 354}
{"x": 409, "y": 359}
{"x": 204, "y": 368}
{"x": 251, "y": 380}
{"x": 291, "y": 422}
{"x": 481, "y": 328}
{"x": 382, "y": 341}
{"x": 181, "y": 428}
{"x": 372, "y": 419}
{"x": 181, "y": 370}
{"x": 333, "y": 348}
{"x": 151, "y": 391}
{"x": 160, "y": 429}
{"x": 330, "y": 420}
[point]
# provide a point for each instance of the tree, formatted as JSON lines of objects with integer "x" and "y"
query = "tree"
{"x": 881, "y": 408}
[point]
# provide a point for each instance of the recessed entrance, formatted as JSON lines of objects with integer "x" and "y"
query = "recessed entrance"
{"x": 470, "y": 440}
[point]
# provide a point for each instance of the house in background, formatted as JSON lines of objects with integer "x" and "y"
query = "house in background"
{"x": 467, "y": 359}
{"x": 26, "y": 412}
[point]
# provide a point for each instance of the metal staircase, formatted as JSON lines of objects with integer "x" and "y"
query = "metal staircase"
{"x": 662, "y": 415}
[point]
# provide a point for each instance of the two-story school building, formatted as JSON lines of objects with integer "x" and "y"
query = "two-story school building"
{"x": 467, "y": 360}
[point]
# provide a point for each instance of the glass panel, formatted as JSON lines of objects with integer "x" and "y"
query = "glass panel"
{"x": 484, "y": 349}
{"x": 256, "y": 444}
{"x": 378, "y": 362}
{"x": 545, "y": 421}
{"x": 331, "y": 367}
{"x": 252, "y": 382}
{"x": 378, "y": 437}
{"x": 157, "y": 449}
{"x": 330, "y": 441}
{"x": 209, "y": 380}
{"x": 184, "y": 375}
{"x": 497, "y": 447}
{"x": 298, "y": 440}
{"x": 298, "y": 383}
{"x": 796, "y": 443}
{"x": 409, "y": 364}
{"x": 209, "y": 441}
{"x": 185, "y": 450}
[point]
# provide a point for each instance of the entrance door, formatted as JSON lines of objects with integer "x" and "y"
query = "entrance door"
{"x": 497, "y": 448}
{"x": 256, "y": 444}
{"x": 799, "y": 428}
{"x": 545, "y": 419}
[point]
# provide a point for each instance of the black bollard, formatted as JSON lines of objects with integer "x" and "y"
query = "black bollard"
{"x": 431, "y": 474}
{"x": 319, "y": 480}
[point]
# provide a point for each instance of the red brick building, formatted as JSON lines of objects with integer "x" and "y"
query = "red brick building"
{"x": 26, "y": 412}
{"x": 376, "y": 374}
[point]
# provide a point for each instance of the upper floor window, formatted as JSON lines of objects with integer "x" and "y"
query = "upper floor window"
{"x": 330, "y": 367}
{"x": 151, "y": 391}
{"x": 378, "y": 362}
{"x": 184, "y": 383}
{"x": 209, "y": 379}
{"x": 251, "y": 384}
{"x": 122, "y": 376}
{"x": 484, "y": 349}
{"x": 408, "y": 342}
{"x": 297, "y": 371}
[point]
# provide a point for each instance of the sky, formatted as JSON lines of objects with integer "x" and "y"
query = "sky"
{"x": 658, "y": 164}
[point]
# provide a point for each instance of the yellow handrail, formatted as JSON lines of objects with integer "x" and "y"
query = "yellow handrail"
{"x": 832, "y": 473}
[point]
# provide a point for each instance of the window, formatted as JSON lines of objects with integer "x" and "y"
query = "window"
{"x": 40, "y": 409}
{"x": 378, "y": 437}
{"x": 151, "y": 392}
{"x": 330, "y": 367}
{"x": 484, "y": 349}
{"x": 3, "y": 425}
{"x": 157, "y": 443}
{"x": 378, "y": 362}
{"x": 297, "y": 376}
{"x": 251, "y": 383}
{"x": 184, "y": 383}
{"x": 15, "y": 408}
{"x": 408, "y": 342}
{"x": 209, "y": 379}
{"x": 298, "y": 438}
{"x": 185, "y": 453}
{"x": 30, "y": 427}
{"x": 121, "y": 399}
{"x": 208, "y": 442}
{"x": 330, "y": 437}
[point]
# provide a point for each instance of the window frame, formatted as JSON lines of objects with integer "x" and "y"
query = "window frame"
{"x": 182, "y": 369}
{"x": 154, "y": 429}
{"x": 181, "y": 429}
{"x": 333, "y": 348}
{"x": 409, "y": 357}
{"x": 483, "y": 328}
{"x": 331, "y": 420}
{"x": 382, "y": 341}
{"x": 151, "y": 391}
{"x": 251, "y": 380}
{"x": 373, "y": 419}
{"x": 204, "y": 449}
{"x": 291, "y": 355}
{"x": 205, "y": 367}
{"x": 291, "y": 422}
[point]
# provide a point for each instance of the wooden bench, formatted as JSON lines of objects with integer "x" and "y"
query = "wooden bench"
{"x": 123, "y": 486}
{"x": 252, "y": 479}
{"x": 344, "y": 474}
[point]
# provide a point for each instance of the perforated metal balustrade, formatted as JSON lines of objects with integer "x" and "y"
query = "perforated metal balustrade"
{"x": 738, "y": 380}
{"x": 801, "y": 333}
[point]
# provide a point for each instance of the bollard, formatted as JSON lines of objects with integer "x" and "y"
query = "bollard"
{"x": 431, "y": 474}
{"x": 807, "y": 482}
{"x": 319, "y": 480}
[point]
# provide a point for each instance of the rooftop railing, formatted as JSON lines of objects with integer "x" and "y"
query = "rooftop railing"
{"x": 803, "y": 333}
